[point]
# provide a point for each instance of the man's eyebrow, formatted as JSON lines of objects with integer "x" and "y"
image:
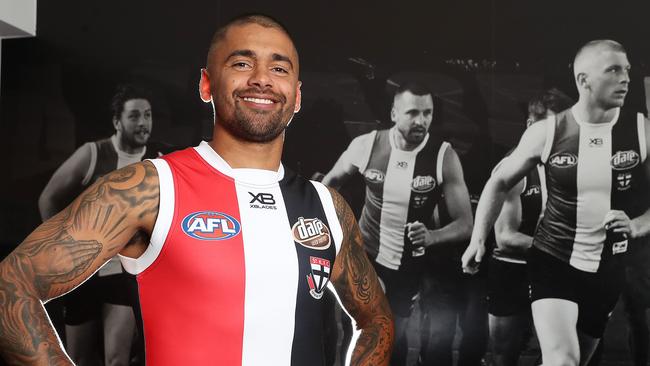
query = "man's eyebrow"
{"x": 279, "y": 57}
{"x": 244, "y": 53}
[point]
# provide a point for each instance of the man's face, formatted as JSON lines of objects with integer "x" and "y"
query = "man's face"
{"x": 412, "y": 115}
{"x": 135, "y": 123}
{"x": 608, "y": 78}
{"x": 254, "y": 83}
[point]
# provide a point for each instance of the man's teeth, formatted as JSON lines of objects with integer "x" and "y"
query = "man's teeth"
{"x": 258, "y": 101}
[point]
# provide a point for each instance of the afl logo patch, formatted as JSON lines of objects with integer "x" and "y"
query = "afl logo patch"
{"x": 423, "y": 184}
{"x": 374, "y": 176}
{"x": 311, "y": 233}
{"x": 563, "y": 160}
{"x": 210, "y": 225}
{"x": 625, "y": 160}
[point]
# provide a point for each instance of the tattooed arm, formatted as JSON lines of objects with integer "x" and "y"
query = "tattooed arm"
{"x": 64, "y": 251}
{"x": 358, "y": 288}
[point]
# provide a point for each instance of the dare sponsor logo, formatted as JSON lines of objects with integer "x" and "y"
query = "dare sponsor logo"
{"x": 423, "y": 184}
{"x": 563, "y": 160}
{"x": 210, "y": 225}
{"x": 625, "y": 160}
{"x": 311, "y": 233}
{"x": 374, "y": 176}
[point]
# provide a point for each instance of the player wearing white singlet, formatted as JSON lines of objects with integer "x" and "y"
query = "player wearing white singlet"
{"x": 406, "y": 171}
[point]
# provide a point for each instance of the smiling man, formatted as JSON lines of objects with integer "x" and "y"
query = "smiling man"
{"x": 232, "y": 251}
{"x": 594, "y": 157}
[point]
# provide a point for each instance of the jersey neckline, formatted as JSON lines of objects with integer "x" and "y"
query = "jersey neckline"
{"x": 249, "y": 176}
{"x": 603, "y": 124}
{"x": 392, "y": 136}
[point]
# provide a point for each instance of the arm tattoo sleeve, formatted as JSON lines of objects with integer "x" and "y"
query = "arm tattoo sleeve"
{"x": 361, "y": 294}
{"x": 65, "y": 250}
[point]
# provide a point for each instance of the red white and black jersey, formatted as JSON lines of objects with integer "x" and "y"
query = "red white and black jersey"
{"x": 237, "y": 264}
{"x": 590, "y": 169}
{"x": 401, "y": 187}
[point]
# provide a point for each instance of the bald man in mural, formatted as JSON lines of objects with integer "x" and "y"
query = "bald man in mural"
{"x": 594, "y": 157}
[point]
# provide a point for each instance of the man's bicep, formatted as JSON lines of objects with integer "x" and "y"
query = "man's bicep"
{"x": 66, "y": 249}
{"x": 454, "y": 187}
{"x": 342, "y": 169}
{"x": 525, "y": 156}
{"x": 65, "y": 182}
{"x": 353, "y": 275}
{"x": 509, "y": 219}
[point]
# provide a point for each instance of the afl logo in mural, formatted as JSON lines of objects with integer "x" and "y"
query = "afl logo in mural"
{"x": 625, "y": 160}
{"x": 374, "y": 176}
{"x": 210, "y": 225}
{"x": 563, "y": 160}
{"x": 311, "y": 233}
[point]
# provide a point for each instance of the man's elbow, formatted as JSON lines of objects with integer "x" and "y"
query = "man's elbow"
{"x": 466, "y": 227}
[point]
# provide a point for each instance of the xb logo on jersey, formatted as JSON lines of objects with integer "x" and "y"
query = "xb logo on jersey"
{"x": 210, "y": 225}
{"x": 595, "y": 142}
{"x": 262, "y": 200}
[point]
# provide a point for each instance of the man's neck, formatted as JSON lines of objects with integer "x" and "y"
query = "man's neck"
{"x": 401, "y": 143}
{"x": 243, "y": 154}
{"x": 124, "y": 147}
{"x": 589, "y": 112}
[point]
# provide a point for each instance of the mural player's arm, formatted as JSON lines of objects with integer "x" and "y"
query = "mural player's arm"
{"x": 358, "y": 287}
{"x": 525, "y": 157}
{"x": 617, "y": 220}
{"x": 348, "y": 163}
{"x": 458, "y": 207}
{"x": 65, "y": 183}
{"x": 506, "y": 228}
{"x": 119, "y": 208}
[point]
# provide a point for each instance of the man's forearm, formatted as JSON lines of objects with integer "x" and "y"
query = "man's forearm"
{"x": 26, "y": 334}
{"x": 489, "y": 207}
{"x": 454, "y": 232}
{"x": 374, "y": 344}
{"x": 640, "y": 226}
{"x": 516, "y": 241}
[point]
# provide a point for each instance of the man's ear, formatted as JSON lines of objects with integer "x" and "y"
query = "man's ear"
{"x": 581, "y": 80}
{"x": 116, "y": 124}
{"x": 298, "y": 98}
{"x": 204, "y": 86}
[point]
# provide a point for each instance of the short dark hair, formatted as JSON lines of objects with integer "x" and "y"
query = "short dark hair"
{"x": 580, "y": 55}
{"x": 552, "y": 99}
{"x": 259, "y": 19}
{"x": 126, "y": 92}
{"x": 414, "y": 87}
